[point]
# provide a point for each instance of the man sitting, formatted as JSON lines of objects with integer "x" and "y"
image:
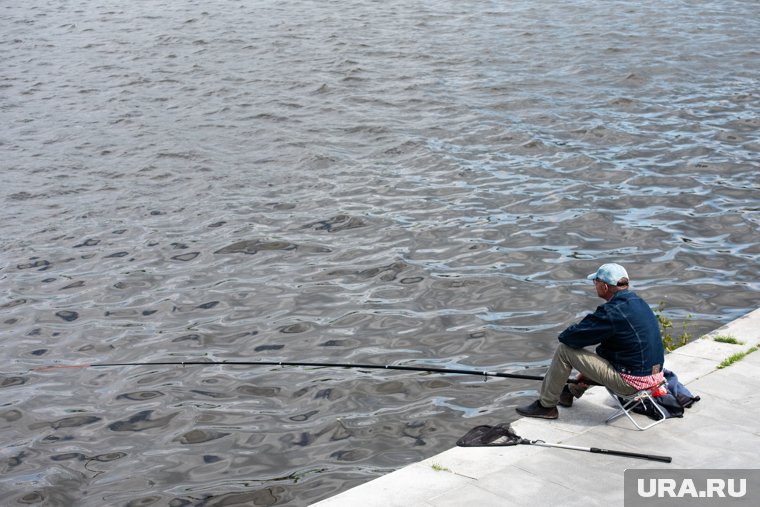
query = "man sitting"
{"x": 629, "y": 355}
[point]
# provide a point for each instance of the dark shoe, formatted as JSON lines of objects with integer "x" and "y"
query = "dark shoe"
{"x": 566, "y": 397}
{"x": 535, "y": 409}
{"x": 570, "y": 392}
{"x": 577, "y": 389}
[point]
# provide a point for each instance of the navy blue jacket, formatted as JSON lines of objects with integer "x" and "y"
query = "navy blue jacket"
{"x": 627, "y": 332}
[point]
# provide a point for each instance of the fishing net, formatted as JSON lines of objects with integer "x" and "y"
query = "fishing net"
{"x": 486, "y": 436}
{"x": 504, "y": 435}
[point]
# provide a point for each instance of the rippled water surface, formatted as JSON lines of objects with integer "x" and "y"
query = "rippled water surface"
{"x": 401, "y": 182}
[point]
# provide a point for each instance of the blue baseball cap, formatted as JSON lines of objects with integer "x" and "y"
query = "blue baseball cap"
{"x": 610, "y": 274}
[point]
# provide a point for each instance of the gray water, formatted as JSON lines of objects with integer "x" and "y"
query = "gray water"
{"x": 388, "y": 182}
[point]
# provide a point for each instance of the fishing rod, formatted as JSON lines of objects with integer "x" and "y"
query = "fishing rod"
{"x": 482, "y": 373}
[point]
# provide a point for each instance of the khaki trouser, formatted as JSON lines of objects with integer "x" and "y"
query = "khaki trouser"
{"x": 590, "y": 365}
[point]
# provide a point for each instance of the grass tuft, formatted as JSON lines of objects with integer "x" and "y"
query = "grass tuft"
{"x": 736, "y": 357}
{"x": 728, "y": 339}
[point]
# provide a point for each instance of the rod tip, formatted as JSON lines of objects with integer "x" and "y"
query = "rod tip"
{"x": 60, "y": 366}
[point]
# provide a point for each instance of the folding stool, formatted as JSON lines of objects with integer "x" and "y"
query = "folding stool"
{"x": 629, "y": 402}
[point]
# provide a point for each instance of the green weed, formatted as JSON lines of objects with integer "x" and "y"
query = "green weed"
{"x": 736, "y": 357}
{"x": 728, "y": 339}
{"x": 669, "y": 340}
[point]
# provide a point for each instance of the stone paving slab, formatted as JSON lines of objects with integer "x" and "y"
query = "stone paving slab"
{"x": 720, "y": 431}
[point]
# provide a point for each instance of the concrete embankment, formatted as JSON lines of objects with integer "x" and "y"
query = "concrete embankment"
{"x": 719, "y": 432}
